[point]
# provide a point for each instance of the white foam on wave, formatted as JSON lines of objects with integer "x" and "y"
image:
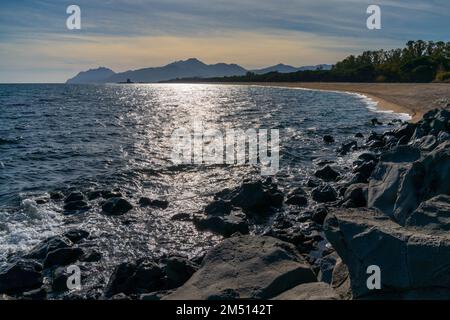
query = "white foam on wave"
{"x": 23, "y": 228}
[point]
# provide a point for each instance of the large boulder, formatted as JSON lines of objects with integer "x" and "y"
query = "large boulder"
{"x": 223, "y": 225}
{"x": 327, "y": 173}
{"x": 116, "y": 206}
{"x": 432, "y": 214}
{"x": 246, "y": 267}
{"x": 20, "y": 276}
{"x": 410, "y": 259}
{"x": 309, "y": 291}
{"x": 404, "y": 178}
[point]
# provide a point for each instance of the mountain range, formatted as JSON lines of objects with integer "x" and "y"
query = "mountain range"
{"x": 190, "y": 68}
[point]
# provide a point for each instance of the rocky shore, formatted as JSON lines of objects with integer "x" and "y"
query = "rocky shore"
{"x": 393, "y": 212}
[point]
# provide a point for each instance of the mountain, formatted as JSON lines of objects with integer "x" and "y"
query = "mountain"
{"x": 92, "y": 76}
{"x": 283, "y": 68}
{"x": 190, "y": 68}
{"x": 179, "y": 69}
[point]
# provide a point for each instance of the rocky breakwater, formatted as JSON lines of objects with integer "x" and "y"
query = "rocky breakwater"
{"x": 404, "y": 227}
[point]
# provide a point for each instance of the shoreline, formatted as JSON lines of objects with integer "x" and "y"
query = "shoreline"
{"x": 414, "y": 99}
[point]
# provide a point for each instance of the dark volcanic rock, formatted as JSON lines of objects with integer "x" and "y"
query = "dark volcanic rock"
{"x": 20, "y": 276}
{"x": 116, "y": 206}
{"x": 133, "y": 278}
{"x": 56, "y": 196}
{"x": 74, "y": 196}
{"x": 246, "y": 267}
{"x": 59, "y": 279}
{"x": 328, "y": 139}
{"x": 62, "y": 257}
{"x": 356, "y": 196}
{"x": 327, "y": 173}
{"x": 178, "y": 270}
{"x": 147, "y": 202}
{"x": 41, "y": 250}
{"x": 319, "y": 215}
{"x": 223, "y": 225}
{"x": 181, "y": 217}
{"x": 347, "y": 147}
{"x": 297, "y": 200}
{"x": 325, "y": 193}
{"x": 76, "y": 205}
{"x": 76, "y": 235}
{"x": 218, "y": 208}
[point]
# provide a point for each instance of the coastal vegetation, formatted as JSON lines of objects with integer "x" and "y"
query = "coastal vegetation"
{"x": 418, "y": 61}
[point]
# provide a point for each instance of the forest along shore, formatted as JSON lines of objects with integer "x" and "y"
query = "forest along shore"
{"x": 392, "y": 213}
{"x": 414, "y": 99}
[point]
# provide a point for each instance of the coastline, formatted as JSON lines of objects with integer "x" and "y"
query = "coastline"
{"x": 414, "y": 99}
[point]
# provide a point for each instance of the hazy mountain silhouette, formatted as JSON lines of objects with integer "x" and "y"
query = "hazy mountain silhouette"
{"x": 92, "y": 76}
{"x": 191, "y": 68}
{"x": 283, "y": 68}
{"x": 180, "y": 69}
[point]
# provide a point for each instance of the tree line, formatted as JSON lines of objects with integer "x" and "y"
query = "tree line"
{"x": 418, "y": 61}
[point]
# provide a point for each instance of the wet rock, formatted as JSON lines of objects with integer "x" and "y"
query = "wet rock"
{"x": 134, "y": 278}
{"x": 20, "y": 276}
{"x": 246, "y": 267}
{"x": 35, "y": 294}
{"x": 328, "y": 139}
{"x": 326, "y": 266}
{"x": 410, "y": 258}
{"x": 181, "y": 217}
{"x": 75, "y": 206}
{"x": 312, "y": 183}
{"x": 74, "y": 196}
{"x": 147, "y": 202}
{"x": 62, "y": 257}
{"x": 56, "y": 196}
{"x": 218, "y": 208}
{"x": 256, "y": 197}
{"x": 427, "y": 143}
{"x": 356, "y": 196}
{"x": 59, "y": 279}
{"x": 120, "y": 297}
{"x": 297, "y": 200}
{"x": 325, "y": 193}
{"x": 406, "y": 130}
{"x": 319, "y": 215}
{"x": 116, "y": 206}
{"x": 359, "y": 135}
{"x": 95, "y": 194}
{"x": 41, "y": 250}
{"x": 91, "y": 256}
{"x": 178, "y": 270}
{"x": 108, "y": 194}
{"x": 375, "y": 122}
{"x": 347, "y": 147}
{"x": 327, "y": 174}
{"x": 76, "y": 235}
{"x": 368, "y": 156}
{"x": 309, "y": 291}
{"x": 223, "y": 225}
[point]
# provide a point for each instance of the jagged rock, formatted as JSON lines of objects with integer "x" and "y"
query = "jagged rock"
{"x": 91, "y": 256}
{"x": 347, "y": 147}
{"x": 409, "y": 258}
{"x": 56, "y": 196}
{"x": 40, "y": 251}
{"x": 340, "y": 280}
{"x": 327, "y": 173}
{"x": 432, "y": 214}
{"x": 133, "y": 278}
{"x": 181, "y": 217}
{"x": 20, "y": 276}
{"x": 356, "y": 195}
{"x": 218, "y": 208}
{"x": 319, "y": 215}
{"x": 359, "y": 135}
{"x": 116, "y": 206}
{"x": 59, "y": 279}
{"x": 62, "y": 257}
{"x": 309, "y": 291}
{"x": 325, "y": 193}
{"x": 376, "y": 122}
{"x": 223, "y": 225}
{"x": 312, "y": 183}
{"x": 326, "y": 266}
{"x": 76, "y": 235}
{"x": 246, "y": 267}
{"x": 426, "y": 143}
{"x": 404, "y": 178}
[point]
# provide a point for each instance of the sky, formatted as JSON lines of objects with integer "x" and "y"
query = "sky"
{"x": 36, "y": 46}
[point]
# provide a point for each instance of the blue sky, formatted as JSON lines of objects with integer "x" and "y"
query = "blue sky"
{"x": 36, "y": 46}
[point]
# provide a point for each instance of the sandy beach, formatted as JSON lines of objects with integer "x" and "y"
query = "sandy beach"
{"x": 412, "y": 98}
